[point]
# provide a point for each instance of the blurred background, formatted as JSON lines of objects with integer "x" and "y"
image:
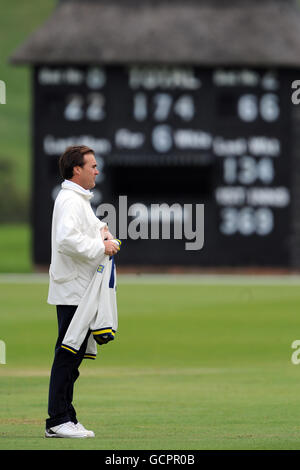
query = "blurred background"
{"x": 19, "y": 21}
{"x": 184, "y": 103}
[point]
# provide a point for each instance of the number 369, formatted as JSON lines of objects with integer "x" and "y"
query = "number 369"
{"x": 246, "y": 221}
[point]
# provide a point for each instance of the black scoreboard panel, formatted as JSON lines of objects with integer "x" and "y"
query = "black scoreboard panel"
{"x": 173, "y": 135}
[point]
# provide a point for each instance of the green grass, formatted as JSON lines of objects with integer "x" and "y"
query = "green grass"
{"x": 192, "y": 367}
{"x": 15, "y": 241}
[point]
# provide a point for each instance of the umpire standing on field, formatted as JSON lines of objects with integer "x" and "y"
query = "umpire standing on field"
{"x": 79, "y": 240}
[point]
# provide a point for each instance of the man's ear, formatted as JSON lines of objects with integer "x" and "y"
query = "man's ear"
{"x": 76, "y": 170}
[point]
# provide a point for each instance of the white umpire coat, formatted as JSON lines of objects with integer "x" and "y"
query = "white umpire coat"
{"x": 77, "y": 245}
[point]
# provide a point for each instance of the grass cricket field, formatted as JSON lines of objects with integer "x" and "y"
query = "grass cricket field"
{"x": 195, "y": 365}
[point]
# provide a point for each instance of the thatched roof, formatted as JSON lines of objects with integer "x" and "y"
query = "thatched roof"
{"x": 204, "y": 32}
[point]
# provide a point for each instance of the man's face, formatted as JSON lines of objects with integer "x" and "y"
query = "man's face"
{"x": 88, "y": 172}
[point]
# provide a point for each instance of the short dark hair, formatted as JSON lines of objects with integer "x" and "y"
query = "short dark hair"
{"x": 72, "y": 156}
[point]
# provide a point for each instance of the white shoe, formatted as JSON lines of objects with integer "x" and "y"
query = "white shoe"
{"x": 68, "y": 429}
{"x": 80, "y": 427}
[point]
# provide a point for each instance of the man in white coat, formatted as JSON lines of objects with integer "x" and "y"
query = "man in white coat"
{"x": 79, "y": 240}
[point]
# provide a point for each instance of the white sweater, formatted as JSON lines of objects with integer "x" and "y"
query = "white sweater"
{"x": 76, "y": 244}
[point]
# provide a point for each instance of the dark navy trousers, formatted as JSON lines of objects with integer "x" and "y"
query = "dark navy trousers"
{"x": 64, "y": 372}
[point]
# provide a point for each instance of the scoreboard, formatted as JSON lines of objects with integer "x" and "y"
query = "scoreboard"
{"x": 175, "y": 135}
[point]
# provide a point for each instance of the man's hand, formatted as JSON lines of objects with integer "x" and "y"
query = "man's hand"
{"x": 111, "y": 248}
{"x": 105, "y": 233}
